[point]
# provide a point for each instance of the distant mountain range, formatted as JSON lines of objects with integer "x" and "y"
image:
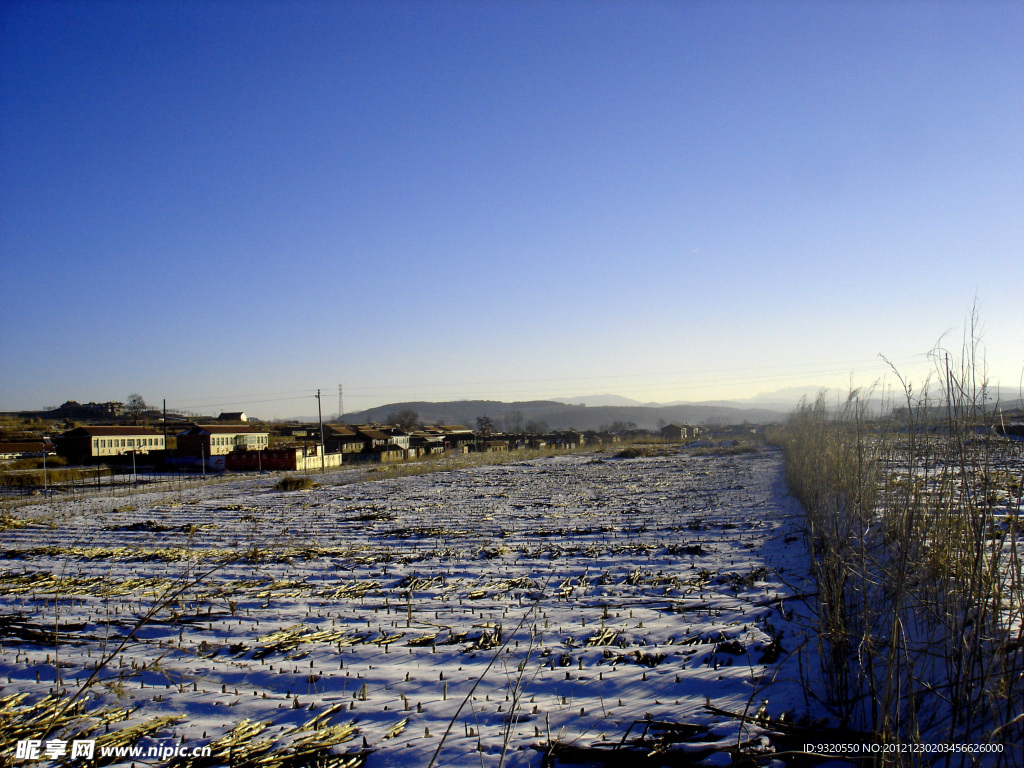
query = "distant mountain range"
{"x": 551, "y": 414}
{"x": 781, "y": 400}
{"x": 597, "y": 411}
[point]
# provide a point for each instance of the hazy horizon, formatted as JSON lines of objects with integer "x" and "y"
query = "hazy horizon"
{"x": 779, "y": 401}
{"x": 231, "y": 205}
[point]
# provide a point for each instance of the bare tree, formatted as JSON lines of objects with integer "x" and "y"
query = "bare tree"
{"x": 135, "y": 407}
{"x": 405, "y": 418}
{"x": 514, "y": 421}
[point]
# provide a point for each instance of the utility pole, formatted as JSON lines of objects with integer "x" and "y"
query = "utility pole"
{"x": 320, "y": 416}
{"x": 341, "y": 406}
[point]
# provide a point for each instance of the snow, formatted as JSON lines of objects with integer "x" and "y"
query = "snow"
{"x": 497, "y": 607}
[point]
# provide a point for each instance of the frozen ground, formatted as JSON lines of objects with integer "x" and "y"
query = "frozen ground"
{"x": 498, "y": 608}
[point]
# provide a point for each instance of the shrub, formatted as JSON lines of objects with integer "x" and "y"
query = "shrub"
{"x": 37, "y": 463}
{"x": 635, "y": 452}
{"x": 728, "y": 448}
{"x": 291, "y": 483}
{"x": 35, "y": 479}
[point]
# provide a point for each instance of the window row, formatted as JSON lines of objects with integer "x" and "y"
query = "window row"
{"x": 128, "y": 442}
{"x": 258, "y": 439}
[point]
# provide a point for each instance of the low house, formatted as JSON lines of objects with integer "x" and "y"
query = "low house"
{"x": 517, "y": 442}
{"x": 281, "y": 459}
{"x": 373, "y": 438}
{"x": 233, "y": 416}
{"x": 457, "y": 439}
{"x": 679, "y": 432}
{"x": 673, "y": 432}
{"x": 220, "y": 440}
{"x": 387, "y": 454}
{"x": 98, "y": 443}
{"x": 426, "y": 443}
{"x": 398, "y": 436}
{"x": 574, "y": 439}
{"x": 453, "y": 429}
{"x": 26, "y": 449}
{"x": 340, "y": 438}
{"x": 565, "y": 440}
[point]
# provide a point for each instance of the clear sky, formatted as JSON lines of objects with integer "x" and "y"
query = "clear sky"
{"x": 231, "y": 204}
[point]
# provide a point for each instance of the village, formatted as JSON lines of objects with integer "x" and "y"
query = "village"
{"x": 233, "y": 442}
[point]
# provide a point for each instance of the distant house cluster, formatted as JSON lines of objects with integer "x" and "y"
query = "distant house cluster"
{"x": 234, "y": 444}
{"x": 72, "y": 409}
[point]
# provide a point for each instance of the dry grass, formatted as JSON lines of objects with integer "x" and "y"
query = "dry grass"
{"x": 728, "y": 447}
{"x": 913, "y": 525}
{"x": 450, "y": 462}
{"x": 34, "y": 478}
{"x": 293, "y": 483}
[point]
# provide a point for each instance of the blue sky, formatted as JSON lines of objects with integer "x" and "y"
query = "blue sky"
{"x": 231, "y": 204}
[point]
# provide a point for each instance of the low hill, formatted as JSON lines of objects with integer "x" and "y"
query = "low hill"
{"x": 555, "y": 415}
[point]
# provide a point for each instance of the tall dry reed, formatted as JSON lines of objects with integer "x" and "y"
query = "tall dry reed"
{"x": 913, "y": 524}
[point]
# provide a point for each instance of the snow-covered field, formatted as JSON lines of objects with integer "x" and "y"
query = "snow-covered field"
{"x": 489, "y": 610}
